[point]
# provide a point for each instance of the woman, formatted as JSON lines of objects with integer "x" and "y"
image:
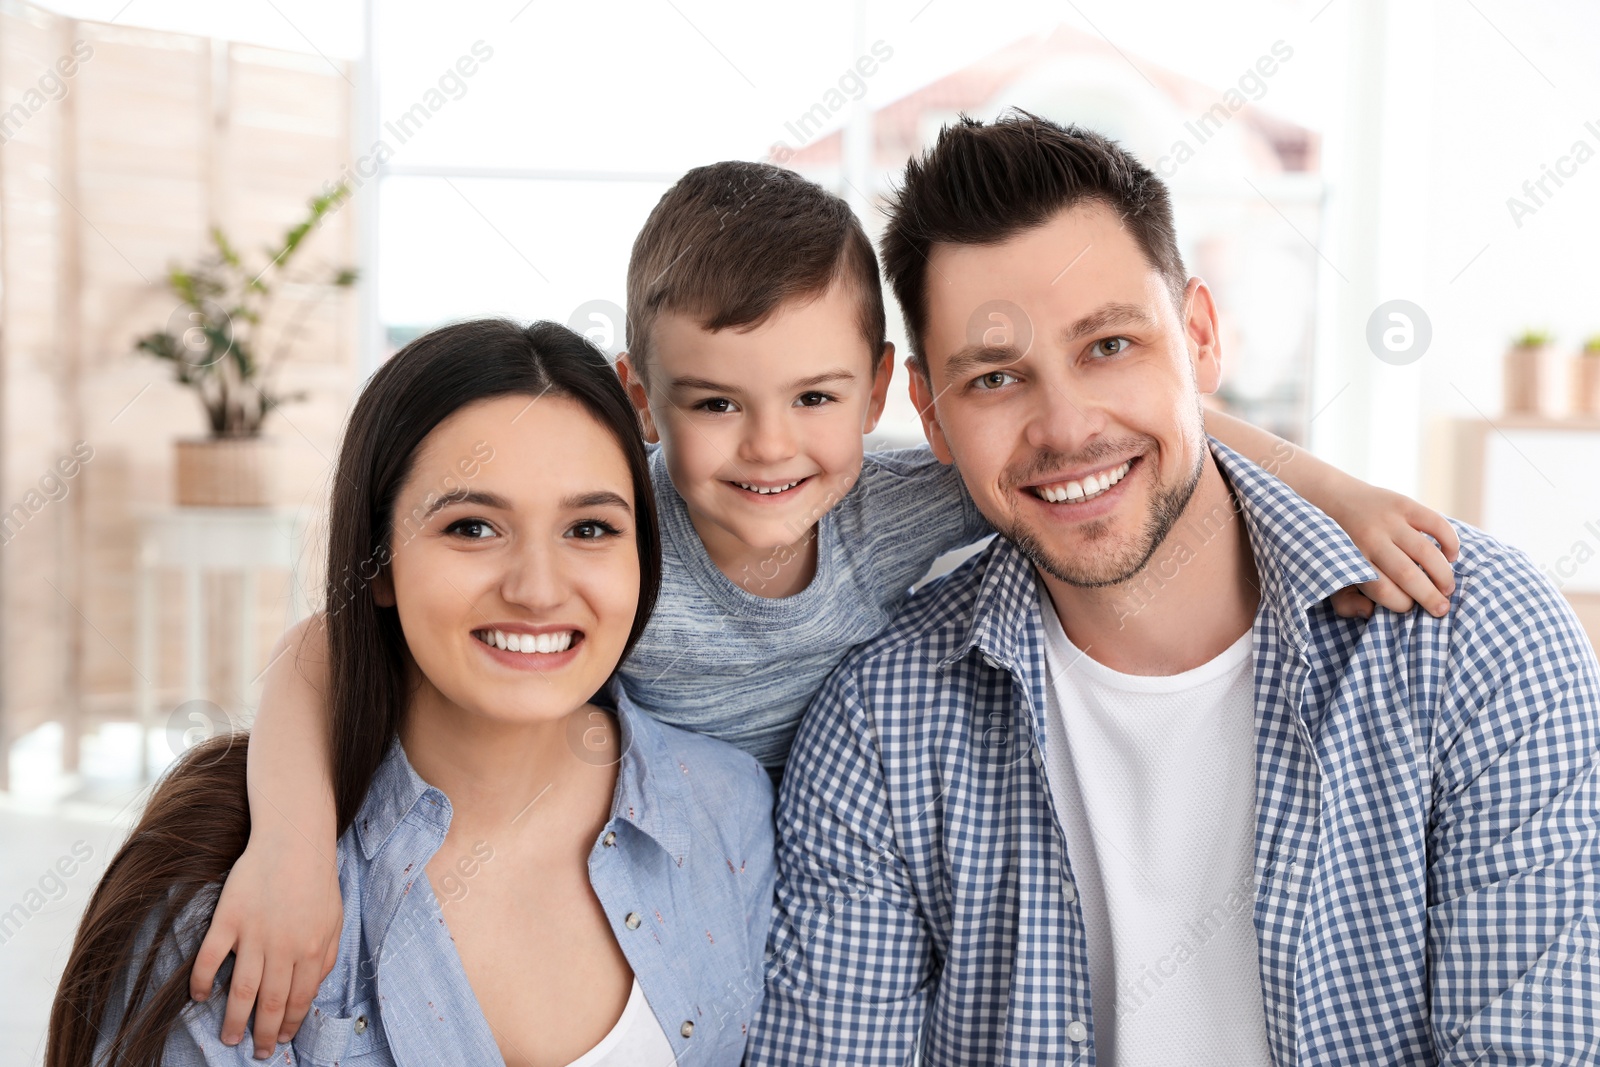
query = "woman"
{"x": 531, "y": 871}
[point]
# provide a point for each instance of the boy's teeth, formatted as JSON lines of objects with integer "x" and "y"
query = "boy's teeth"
{"x": 540, "y": 643}
{"x": 767, "y": 492}
{"x": 1084, "y": 489}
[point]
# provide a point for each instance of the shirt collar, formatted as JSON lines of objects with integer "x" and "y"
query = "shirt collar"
{"x": 1302, "y": 557}
{"x": 649, "y": 792}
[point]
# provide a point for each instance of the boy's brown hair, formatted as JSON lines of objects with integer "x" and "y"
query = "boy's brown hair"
{"x": 982, "y": 183}
{"x": 732, "y": 242}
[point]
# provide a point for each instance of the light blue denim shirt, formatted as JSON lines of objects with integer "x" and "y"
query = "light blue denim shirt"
{"x": 683, "y": 869}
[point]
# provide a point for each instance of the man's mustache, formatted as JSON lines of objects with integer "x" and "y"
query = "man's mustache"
{"x": 1046, "y": 463}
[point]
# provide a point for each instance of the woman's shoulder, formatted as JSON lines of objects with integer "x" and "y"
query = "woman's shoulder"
{"x": 719, "y": 784}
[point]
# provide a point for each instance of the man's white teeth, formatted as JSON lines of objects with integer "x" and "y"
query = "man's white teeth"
{"x": 1086, "y": 489}
{"x": 768, "y": 491}
{"x": 544, "y": 643}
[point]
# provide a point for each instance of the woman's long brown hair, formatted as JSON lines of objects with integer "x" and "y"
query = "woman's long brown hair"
{"x": 197, "y": 822}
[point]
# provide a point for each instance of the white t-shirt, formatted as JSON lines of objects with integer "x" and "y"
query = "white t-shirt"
{"x": 637, "y": 1039}
{"x": 1154, "y": 782}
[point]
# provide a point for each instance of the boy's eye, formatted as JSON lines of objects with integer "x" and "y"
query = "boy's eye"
{"x": 813, "y": 400}
{"x": 716, "y": 405}
{"x": 1111, "y": 346}
{"x": 995, "y": 379}
{"x": 592, "y": 530}
{"x": 471, "y": 529}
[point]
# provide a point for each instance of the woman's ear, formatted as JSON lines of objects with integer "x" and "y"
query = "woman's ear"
{"x": 383, "y": 588}
{"x": 637, "y": 392}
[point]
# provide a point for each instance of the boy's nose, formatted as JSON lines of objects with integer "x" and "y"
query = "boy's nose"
{"x": 768, "y": 440}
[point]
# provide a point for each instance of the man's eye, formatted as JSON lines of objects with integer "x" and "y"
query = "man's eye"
{"x": 813, "y": 400}
{"x": 717, "y": 405}
{"x": 471, "y": 529}
{"x": 1111, "y": 346}
{"x": 593, "y": 530}
{"x": 996, "y": 379}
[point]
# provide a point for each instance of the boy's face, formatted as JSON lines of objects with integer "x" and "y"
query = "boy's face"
{"x": 762, "y": 428}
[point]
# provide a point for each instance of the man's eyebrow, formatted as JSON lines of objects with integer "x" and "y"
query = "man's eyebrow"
{"x": 1107, "y": 316}
{"x": 599, "y": 498}
{"x": 977, "y": 357}
{"x": 467, "y": 496}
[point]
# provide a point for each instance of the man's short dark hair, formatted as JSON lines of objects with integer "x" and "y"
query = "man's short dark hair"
{"x": 732, "y": 242}
{"x": 983, "y": 183}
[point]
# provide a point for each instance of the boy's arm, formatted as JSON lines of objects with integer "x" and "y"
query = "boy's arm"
{"x": 1391, "y": 530}
{"x": 280, "y": 911}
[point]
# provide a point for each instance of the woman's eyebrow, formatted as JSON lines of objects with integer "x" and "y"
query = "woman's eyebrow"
{"x": 600, "y": 498}
{"x": 468, "y": 496}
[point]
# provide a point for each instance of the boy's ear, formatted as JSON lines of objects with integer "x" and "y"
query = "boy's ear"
{"x": 640, "y": 395}
{"x": 880, "y": 388}
{"x": 922, "y": 396}
{"x": 1203, "y": 334}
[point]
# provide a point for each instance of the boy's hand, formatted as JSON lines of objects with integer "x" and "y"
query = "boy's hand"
{"x": 280, "y": 914}
{"x": 1393, "y": 532}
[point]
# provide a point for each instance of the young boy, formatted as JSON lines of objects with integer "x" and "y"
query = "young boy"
{"x": 758, "y": 361}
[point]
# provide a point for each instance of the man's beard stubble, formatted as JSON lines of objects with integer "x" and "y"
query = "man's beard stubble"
{"x": 1114, "y": 566}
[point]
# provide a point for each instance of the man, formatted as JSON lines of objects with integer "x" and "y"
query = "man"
{"x": 1124, "y": 789}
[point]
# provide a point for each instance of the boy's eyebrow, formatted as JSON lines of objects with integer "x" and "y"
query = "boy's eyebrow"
{"x": 837, "y": 375}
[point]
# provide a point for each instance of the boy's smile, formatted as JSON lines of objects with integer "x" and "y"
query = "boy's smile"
{"x": 763, "y": 426}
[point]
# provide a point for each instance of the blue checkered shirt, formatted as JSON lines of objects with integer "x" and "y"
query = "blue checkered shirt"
{"x": 1427, "y": 859}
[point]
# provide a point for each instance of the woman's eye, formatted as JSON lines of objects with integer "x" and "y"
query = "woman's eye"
{"x": 593, "y": 530}
{"x": 1111, "y": 346}
{"x": 717, "y": 405}
{"x": 813, "y": 400}
{"x": 996, "y": 379}
{"x": 471, "y": 529}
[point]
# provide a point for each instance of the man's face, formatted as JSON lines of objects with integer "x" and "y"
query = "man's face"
{"x": 1064, "y": 385}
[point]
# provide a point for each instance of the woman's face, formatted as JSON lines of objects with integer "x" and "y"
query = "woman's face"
{"x": 515, "y": 568}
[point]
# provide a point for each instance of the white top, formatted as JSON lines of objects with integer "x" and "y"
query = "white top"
{"x": 1153, "y": 780}
{"x": 637, "y": 1039}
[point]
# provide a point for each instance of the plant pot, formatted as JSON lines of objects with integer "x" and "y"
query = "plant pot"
{"x": 1586, "y": 384}
{"x": 226, "y": 472}
{"x": 1529, "y": 381}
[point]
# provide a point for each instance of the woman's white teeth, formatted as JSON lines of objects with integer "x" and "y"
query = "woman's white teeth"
{"x": 1084, "y": 489}
{"x": 518, "y": 642}
{"x": 768, "y": 491}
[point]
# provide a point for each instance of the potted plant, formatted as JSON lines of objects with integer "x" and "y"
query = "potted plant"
{"x": 1527, "y": 374}
{"x": 213, "y": 340}
{"x": 1586, "y": 379}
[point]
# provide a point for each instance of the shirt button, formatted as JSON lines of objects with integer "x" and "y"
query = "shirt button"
{"x": 361, "y": 1024}
{"x": 632, "y": 921}
{"x": 610, "y": 840}
{"x": 687, "y": 1029}
{"x": 1070, "y": 892}
{"x": 1077, "y": 1031}
{"x": 991, "y": 661}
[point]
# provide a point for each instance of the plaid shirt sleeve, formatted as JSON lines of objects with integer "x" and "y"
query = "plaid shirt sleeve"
{"x": 1514, "y": 845}
{"x": 850, "y": 958}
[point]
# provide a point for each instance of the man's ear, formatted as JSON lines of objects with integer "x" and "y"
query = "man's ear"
{"x": 922, "y": 396}
{"x": 634, "y": 385}
{"x": 1203, "y": 335}
{"x": 880, "y": 387}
